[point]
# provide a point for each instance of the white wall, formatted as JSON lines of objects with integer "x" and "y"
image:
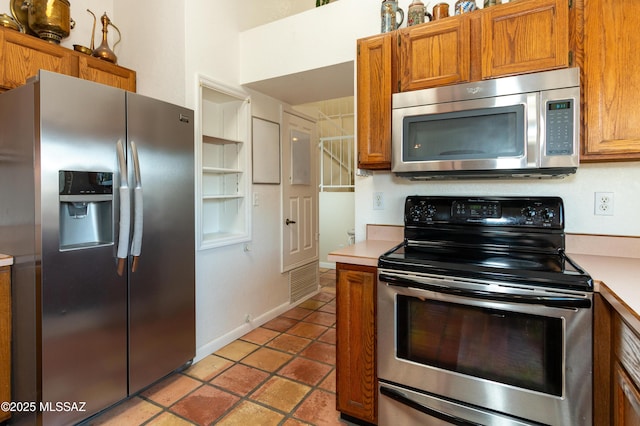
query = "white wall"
{"x": 577, "y": 191}
{"x": 337, "y": 217}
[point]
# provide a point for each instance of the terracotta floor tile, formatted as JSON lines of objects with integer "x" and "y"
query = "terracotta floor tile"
{"x": 288, "y": 343}
{"x": 237, "y": 350}
{"x": 329, "y": 307}
{"x": 308, "y": 330}
{"x": 280, "y": 323}
{"x": 168, "y": 419}
{"x": 208, "y": 367}
{"x": 280, "y": 393}
{"x": 260, "y": 335}
{"x": 267, "y": 359}
{"x": 329, "y": 336}
{"x": 248, "y": 413}
{"x": 323, "y": 296}
{"x": 322, "y": 318}
{"x": 134, "y": 411}
{"x": 240, "y": 379}
{"x": 330, "y": 290}
{"x": 294, "y": 422}
{"x": 311, "y": 304}
{"x": 319, "y": 408}
{"x": 297, "y": 313}
{"x": 329, "y": 383}
{"x": 170, "y": 390}
{"x": 322, "y": 352}
{"x": 205, "y": 405}
{"x": 305, "y": 371}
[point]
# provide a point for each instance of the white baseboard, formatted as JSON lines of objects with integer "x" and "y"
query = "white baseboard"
{"x": 215, "y": 344}
{"x": 328, "y": 265}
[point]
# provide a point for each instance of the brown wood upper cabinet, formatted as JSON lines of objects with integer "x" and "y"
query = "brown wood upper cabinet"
{"x": 610, "y": 80}
{"x": 375, "y": 77}
{"x": 514, "y": 38}
{"x": 523, "y": 37}
{"x": 434, "y": 54}
{"x": 21, "y": 56}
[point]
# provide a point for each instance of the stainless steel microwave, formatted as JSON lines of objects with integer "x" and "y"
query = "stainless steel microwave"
{"x": 521, "y": 126}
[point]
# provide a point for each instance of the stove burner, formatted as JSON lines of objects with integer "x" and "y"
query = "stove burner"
{"x": 525, "y": 243}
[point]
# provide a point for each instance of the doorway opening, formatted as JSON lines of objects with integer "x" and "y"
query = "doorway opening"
{"x": 336, "y": 138}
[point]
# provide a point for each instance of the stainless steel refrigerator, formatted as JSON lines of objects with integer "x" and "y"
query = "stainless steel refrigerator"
{"x": 97, "y": 206}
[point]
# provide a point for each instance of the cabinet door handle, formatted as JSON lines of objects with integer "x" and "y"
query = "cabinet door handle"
{"x": 287, "y": 222}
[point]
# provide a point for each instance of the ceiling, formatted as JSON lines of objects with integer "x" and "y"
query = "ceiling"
{"x": 335, "y": 81}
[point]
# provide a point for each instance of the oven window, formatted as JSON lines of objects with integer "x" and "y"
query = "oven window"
{"x": 507, "y": 347}
{"x": 487, "y": 133}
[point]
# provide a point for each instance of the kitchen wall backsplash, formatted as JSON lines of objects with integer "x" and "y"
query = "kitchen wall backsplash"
{"x": 577, "y": 191}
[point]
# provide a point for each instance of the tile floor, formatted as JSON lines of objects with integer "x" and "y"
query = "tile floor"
{"x": 282, "y": 373}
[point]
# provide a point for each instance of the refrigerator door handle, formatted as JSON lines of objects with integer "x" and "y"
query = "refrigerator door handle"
{"x": 125, "y": 211}
{"x": 138, "y": 209}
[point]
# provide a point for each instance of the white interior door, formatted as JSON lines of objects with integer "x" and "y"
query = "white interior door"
{"x": 299, "y": 192}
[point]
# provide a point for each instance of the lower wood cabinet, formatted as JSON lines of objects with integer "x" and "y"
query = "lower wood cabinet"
{"x": 356, "y": 375}
{"x": 5, "y": 339}
{"x": 616, "y": 371}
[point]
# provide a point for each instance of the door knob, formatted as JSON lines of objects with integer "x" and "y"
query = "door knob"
{"x": 289, "y": 221}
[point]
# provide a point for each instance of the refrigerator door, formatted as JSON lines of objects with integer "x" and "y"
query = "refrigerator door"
{"x": 162, "y": 284}
{"x": 83, "y": 301}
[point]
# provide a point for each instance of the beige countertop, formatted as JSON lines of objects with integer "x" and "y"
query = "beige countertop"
{"x": 364, "y": 253}
{"x": 613, "y": 263}
{"x": 6, "y": 260}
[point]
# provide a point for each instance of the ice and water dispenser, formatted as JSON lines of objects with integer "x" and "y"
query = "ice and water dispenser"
{"x": 86, "y": 209}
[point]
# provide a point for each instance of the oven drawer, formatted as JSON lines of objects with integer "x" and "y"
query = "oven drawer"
{"x": 402, "y": 406}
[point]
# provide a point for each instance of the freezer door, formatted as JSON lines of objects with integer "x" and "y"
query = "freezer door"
{"x": 162, "y": 284}
{"x": 84, "y": 325}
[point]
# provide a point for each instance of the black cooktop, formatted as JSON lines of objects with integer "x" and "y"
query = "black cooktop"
{"x": 514, "y": 239}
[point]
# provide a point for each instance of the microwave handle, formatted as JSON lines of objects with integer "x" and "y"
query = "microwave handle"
{"x": 398, "y": 396}
{"x": 566, "y": 302}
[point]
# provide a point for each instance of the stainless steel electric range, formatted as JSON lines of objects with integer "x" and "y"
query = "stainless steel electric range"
{"x": 482, "y": 317}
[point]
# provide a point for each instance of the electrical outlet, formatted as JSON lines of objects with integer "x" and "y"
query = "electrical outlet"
{"x": 603, "y": 203}
{"x": 378, "y": 201}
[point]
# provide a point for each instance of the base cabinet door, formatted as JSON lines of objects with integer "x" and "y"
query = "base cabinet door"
{"x": 626, "y": 399}
{"x": 626, "y": 374}
{"x": 356, "y": 378}
{"x": 5, "y": 339}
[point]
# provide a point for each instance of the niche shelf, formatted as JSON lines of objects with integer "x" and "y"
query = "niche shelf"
{"x": 224, "y": 179}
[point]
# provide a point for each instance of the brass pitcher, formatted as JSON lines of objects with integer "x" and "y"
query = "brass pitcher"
{"x": 103, "y": 51}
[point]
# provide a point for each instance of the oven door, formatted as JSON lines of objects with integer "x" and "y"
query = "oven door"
{"x": 521, "y": 351}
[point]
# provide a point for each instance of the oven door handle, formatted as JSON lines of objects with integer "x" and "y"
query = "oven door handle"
{"x": 566, "y": 302}
{"x": 398, "y": 396}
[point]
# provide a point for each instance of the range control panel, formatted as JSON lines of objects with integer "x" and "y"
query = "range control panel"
{"x": 529, "y": 212}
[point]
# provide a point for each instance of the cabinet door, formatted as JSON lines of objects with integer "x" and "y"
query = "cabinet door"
{"x": 626, "y": 399}
{"x": 21, "y": 57}
{"x": 374, "y": 88}
{"x": 98, "y": 70}
{"x": 356, "y": 379}
{"x": 434, "y": 54}
{"x": 611, "y": 83}
{"x": 5, "y": 339}
{"x": 526, "y": 36}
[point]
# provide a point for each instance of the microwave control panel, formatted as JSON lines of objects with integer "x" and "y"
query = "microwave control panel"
{"x": 559, "y": 120}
